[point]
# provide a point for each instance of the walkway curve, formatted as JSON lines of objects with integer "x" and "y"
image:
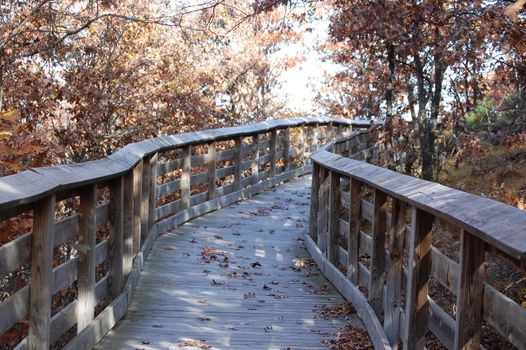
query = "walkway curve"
{"x": 236, "y": 278}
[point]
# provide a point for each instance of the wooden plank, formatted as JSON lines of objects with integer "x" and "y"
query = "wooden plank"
{"x": 211, "y": 166}
{"x": 353, "y": 235}
{"x": 301, "y": 144}
{"x": 255, "y": 158}
{"x": 116, "y": 280}
{"x": 127, "y": 228}
{"x": 237, "y": 163}
{"x": 285, "y": 138}
{"x": 393, "y": 297}
{"x": 152, "y": 192}
{"x": 145, "y": 198}
{"x": 41, "y": 274}
{"x": 419, "y": 269}
{"x": 86, "y": 262}
{"x": 185, "y": 177}
{"x": 470, "y": 292}
{"x": 334, "y": 217}
{"x": 323, "y": 208}
{"x": 314, "y": 203}
{"x": 137, "y": 207}
{"x": 272, "y": 151}
{"x": 377, "y": 266}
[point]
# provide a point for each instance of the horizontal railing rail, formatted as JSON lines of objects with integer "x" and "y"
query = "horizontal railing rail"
{"x": 83, "y": 263}
{"x": 386, "y": 221}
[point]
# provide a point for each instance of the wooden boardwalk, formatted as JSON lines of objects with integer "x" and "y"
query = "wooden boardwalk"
{"x": 236, "y": 278}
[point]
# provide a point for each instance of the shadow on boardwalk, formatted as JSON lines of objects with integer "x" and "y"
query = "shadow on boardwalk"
{"x": 236, "y": 278}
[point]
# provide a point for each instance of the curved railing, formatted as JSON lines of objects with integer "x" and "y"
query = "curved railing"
{"x": 386, "y": 220}
{"x": 117, "y": 206}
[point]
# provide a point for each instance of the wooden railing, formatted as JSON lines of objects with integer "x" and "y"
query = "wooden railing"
{"x": 386, "y": 222}
{"x": 116, "y": 207}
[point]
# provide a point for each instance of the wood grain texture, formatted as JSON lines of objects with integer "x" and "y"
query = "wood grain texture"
{"x": 353, "y": 234}
{"x": 116, "y": 248}
{"x": 86, "y": 261}
{"x": 254, "y": 166}
{"x": 470, "y": 292}
{"x": 186, "y": 303}
{"x": 137, "y": 207}
{"x": 419, "y": 270}
{"x": 238, "y": 159}
{"x": 272, "y": 151}
{"x": 127, "y": 228}
{"x": 152, "y": 193}
{"x": 334, "y": 217}
{"x": 377, "y": 267}
{"x": 211, "y": 166}
{"x": 314, "y": 203}
{"x": 145, "y": 198}
{"x": 186, "y": 169}
{"x": 41, "y": 274}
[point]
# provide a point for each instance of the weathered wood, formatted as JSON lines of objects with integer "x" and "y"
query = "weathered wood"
{"x": 86, "y": 262}
{"x": 394, "y": 275}
{"x": 353, "y": 235}
{"x": 116, "y": 280}
{"x": 334, "y": 217}
{"x": 285, "y": 139}
{"x": 41, "y": 274}
{"x": 323, "y": 209}
{"x": 185, "y": 177}
{"x": 272, "y": 151}
{"x": 211, "y": 166}
{"x": 470, "y": 292}
{"x": 419, "y": 269}
{"x": 145, "y": 198}
{"x": 301, "y": 144}
{"x": 314, "y": 205}
{"x": 153, "y": 184}
{"x": 137, "y": 207}
{"x": 255, "y": 158}
{"x": 237, "y": 163}
{"x": 127, "y": 228}
{"x": 377, "y": 267}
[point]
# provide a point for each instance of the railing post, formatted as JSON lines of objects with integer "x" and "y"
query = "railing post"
{"x": 285, "y": 137}
{"x": 255, "y": 158}
{"x": 211, "y": 163}
{"x": 145, "y": 198}
{"x": 272, "y": 151}
{"x": 470, "y": 292}
{"x": 419, "y": 269}
{"x": 394, "y": 272}
{"x": 128, "y": 223}
{"x": 86, "y": 263}
{"x": 323, "y": 209}
{"x": 378, "y": 252}
{"x": 315, "y": 137}
{"x": 153, "y": 185}
{"x": 137, "y": 206}
{"x": 334, "y": 217}
{"x": 301, "y": 141}
{"x": 238, "y": 159}
{"x": 116, "y": 236}
{"x": 186, "y": 175}
{"x": 41, "y": 274}
{"x": 314, "y": 202}
{"x": 353, "y": 238}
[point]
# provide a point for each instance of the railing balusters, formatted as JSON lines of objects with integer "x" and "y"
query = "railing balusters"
{"x": 470, "y": 292}
{"x": 238, "y": 160}
{"x": 153, "y": 185}
{"x": 419, "y": 269}
{"x": 377, "y": 268}
{"x": 137, "y": 206}
{"x": 315, "y": 137}
{"x": 186, "y": 173}
{"x": 285, "y": 138}
{"x": 272, "y": 151}
{"x": 255, "y": 158}
{"x": 128, "y": 223}
{"x": 41, "y": 274}
{"x": 116, "y": 236}
{"x": 315, "y": 198}
{"x": 145, "y": 198}
{"x": 394, "y": 272}
{"x": 323, "y": 209}
{"x": 86, "y": 264}
{"x": 353, "y": 238}
{"x": 211, "y": 160}
{"x": 334, "y": 217}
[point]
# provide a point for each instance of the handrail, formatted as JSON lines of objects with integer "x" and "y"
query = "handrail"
{"x": 402, "y": 258}
{"x": 142, "y": 190}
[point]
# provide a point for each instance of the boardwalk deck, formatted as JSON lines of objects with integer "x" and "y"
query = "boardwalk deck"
{"x": 248, "y": 291}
